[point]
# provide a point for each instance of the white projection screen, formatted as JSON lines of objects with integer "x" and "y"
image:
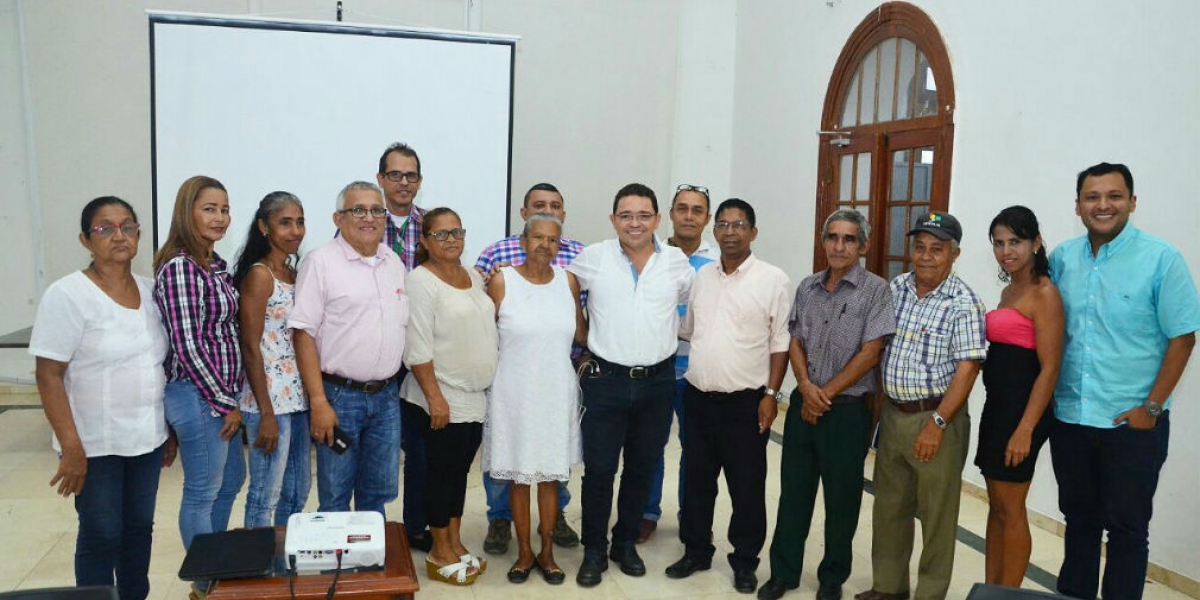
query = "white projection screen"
{"x": 307, "y": 107}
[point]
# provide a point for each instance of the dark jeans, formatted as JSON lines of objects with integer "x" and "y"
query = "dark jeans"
{"x": 116, "y": 522}
{"x": 1106, "y": 481}
{"x": 412, "y": 442}
{"x": 830, "y": 453}
{"x": 621, "y": 414}
{"x": 653, "y": 510}
{"x": 449, "y": 452}
{"x": 722, "y": 434}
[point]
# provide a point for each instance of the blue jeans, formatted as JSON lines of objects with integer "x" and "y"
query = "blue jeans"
{"x": 279, "y": 482}
{"x": 116, "y": 522}
{"x": 1106, "y": 481}
{"x": 412, "y": 442}
{"x": 369, "y": 470}
{"x": 213, "y": 469}
{"x": 497, "y": 497}
{"x": 621, "y": 416}
{"x": 653, "y": 510}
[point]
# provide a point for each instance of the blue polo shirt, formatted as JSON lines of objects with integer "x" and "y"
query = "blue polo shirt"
{"x": 1122, "y": 306}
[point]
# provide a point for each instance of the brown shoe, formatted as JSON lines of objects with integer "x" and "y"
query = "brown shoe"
{"x": 646, "y": 529}
{"x": 874, "y": 595}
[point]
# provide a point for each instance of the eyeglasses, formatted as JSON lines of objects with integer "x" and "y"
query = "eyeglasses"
{"x": 643, "y": 217}
{"x": 411, "y": 176}
{"x": 107, "y": 231}
{"x": 360, "y": 212}
{"x": 692, "y": 188}
{"x": 442, "y": 235}
{"x": 734, "y": 225}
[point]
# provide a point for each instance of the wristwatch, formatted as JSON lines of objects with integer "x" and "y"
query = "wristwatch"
{"x": 939, "y": 421}
{"x": 1153, "y": 409}
{"x": 777, "y": 395}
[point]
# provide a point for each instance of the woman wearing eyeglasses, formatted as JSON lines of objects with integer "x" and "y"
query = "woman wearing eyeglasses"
{"x": 100, "y": 343}
{"x": 195, "y": 293}
{"x": 451, "y": 352}
{"x": 274, "y": 406}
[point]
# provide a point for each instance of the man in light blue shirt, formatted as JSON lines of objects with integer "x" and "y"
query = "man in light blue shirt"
{"x": 1132, "y": 313}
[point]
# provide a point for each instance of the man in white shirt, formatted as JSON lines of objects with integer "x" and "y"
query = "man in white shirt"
{"x": 737, "y": 323}
{"x": 634, "y": 285}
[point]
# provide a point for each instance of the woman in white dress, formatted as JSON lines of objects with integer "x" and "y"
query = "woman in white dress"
{"x": 531, "y": 434}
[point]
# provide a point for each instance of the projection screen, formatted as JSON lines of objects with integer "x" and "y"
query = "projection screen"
{"x": 307, "y": 107}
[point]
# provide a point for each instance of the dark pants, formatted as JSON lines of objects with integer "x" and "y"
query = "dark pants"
{"x": 449, "y": 453}
{"x": 1106, "y": 481}
{"x": 831, "y": 453}
{"x": 412, "y": 443}
{"x": 722, "y": 434}
{"x": 626, "y": 414}
{"x": 116, "y": 522}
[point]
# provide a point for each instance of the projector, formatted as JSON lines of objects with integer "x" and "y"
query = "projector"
{"x": 314, "y": 539}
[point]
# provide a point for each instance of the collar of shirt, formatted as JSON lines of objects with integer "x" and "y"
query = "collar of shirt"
{"x": 740, "y": 270}
{"x": 854, "y": 277}
{"x": 949, "y": 286}
{"x": 381, "y": 252}
{"x": 632, "y": 268}
{"x": 1118, "y": 243}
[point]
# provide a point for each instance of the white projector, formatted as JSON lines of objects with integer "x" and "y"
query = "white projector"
{"x": 314, "y": 539}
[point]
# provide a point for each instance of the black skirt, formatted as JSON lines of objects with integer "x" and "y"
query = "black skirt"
{"x": 1008, "y": 376}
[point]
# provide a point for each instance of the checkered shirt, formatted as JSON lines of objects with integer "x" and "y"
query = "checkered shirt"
{"x": 508, "y": 250}
{"x": 403, "y": 240}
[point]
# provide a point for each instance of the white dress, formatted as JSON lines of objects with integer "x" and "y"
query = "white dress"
{"x": 531, "y": 433}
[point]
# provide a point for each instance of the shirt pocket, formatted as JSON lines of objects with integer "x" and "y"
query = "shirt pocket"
{"x": 935, "y": 347}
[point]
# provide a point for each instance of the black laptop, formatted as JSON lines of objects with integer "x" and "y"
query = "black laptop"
{"x": 236, "y": 554}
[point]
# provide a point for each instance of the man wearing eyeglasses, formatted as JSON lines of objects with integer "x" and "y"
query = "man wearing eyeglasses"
{"x": 689, "y": 216}
{"x": 348, "y": 325}
{"x": 737, "y": 324}
{"x": 400, "y": 178}
{"x": 542, "y": 198}
{"x": 634, "y": 283}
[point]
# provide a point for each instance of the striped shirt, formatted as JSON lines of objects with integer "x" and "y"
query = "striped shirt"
{"x": 833, "y": 326}
{"x": 199, "y": 309}
{"x": 508, "y": 250}
{"x": 932, "y": 334}
{"x": 403, "y": 239}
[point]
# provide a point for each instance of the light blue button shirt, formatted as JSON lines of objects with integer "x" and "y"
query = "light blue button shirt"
{"x": 699, "y": 258}
{"x": 1122, "y": 306}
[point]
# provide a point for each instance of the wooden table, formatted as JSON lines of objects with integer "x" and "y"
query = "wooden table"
{"x": 397, "y": 579}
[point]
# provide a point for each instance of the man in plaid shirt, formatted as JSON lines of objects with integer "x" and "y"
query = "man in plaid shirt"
{"x": 542, "y": 198}
{"x": 929, "y": 367}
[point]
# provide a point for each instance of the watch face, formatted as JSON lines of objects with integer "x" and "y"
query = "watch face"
{"x": 1153, "y": 409}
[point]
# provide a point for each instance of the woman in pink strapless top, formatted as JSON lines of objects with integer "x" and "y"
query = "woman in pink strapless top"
{"x": 1025, "y": 335}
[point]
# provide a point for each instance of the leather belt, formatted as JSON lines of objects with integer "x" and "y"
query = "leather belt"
{"x": 847, "y": 399}
{"x": 916, "y": 406}
{"x": 643, "y": 372}
{"x": 369, "y": 387}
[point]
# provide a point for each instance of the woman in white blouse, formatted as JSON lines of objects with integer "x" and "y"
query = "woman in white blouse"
{"x": 100, "y": 344}
{"x": 451, "y": 351}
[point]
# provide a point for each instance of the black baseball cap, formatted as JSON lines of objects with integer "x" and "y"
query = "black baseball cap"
{"x": 941, "y": 225}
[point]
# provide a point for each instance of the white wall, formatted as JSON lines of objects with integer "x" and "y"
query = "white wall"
{"x": 1043, "y": 90}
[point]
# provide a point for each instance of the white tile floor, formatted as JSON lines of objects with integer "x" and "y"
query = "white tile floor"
{"x": 37, "y": 530}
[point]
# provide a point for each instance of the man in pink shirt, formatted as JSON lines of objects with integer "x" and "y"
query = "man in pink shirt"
{"x": 348, "y": 326}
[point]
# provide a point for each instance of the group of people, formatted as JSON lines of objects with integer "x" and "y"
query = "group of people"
{"x": 549, "y": 353}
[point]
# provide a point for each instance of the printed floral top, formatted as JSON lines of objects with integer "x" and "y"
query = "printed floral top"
{"x": 279, "y": 356}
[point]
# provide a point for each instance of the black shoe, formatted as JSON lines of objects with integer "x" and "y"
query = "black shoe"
{"x": 774, "y": 589}
{"x": 627, "y": 558}
{"x": 744, "y": 580}
{"x": 829, "y": 591}
{"x": 687, "y": 565}
{"x": 422, "y": 541}
{"x": 594, "y": 564}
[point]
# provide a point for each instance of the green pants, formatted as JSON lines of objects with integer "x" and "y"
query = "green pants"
{"x": 905, "y": 490}
{"x": 831, "y": 453}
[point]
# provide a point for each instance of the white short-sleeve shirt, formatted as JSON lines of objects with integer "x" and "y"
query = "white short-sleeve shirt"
{"x": 114, "y": 355}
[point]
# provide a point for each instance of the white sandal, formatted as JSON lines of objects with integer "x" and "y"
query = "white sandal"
{"x": 477, "y": 563}
{"x": 458, "y": 573}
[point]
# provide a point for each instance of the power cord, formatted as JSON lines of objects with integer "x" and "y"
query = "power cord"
{"x": 337, "y": 573}
{"x": 292, "y": 575}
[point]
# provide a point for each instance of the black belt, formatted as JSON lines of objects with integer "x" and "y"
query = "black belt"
{"x": 847, "y": 399}
{"x": 369, "y": 387}
{"x": 916, "y": 406}
{"x": 646, "y": 372}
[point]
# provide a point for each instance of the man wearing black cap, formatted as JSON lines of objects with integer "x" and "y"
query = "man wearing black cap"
{"x": 929, "y": 367}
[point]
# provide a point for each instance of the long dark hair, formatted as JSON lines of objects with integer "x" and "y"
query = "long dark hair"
{"x": 1024, "y": 224}
{"x": 257, "y": 245}
{"x": 431, "y": 215}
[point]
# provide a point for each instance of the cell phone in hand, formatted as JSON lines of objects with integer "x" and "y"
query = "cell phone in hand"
{"x": 341, "y": 441}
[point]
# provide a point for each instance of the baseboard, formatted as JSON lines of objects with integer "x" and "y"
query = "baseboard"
{"x": 1157, "y": 573}
{"x": 16, "y": 388}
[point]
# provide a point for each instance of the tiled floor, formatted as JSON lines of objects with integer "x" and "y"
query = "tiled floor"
{"x": 37, "y": 530}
